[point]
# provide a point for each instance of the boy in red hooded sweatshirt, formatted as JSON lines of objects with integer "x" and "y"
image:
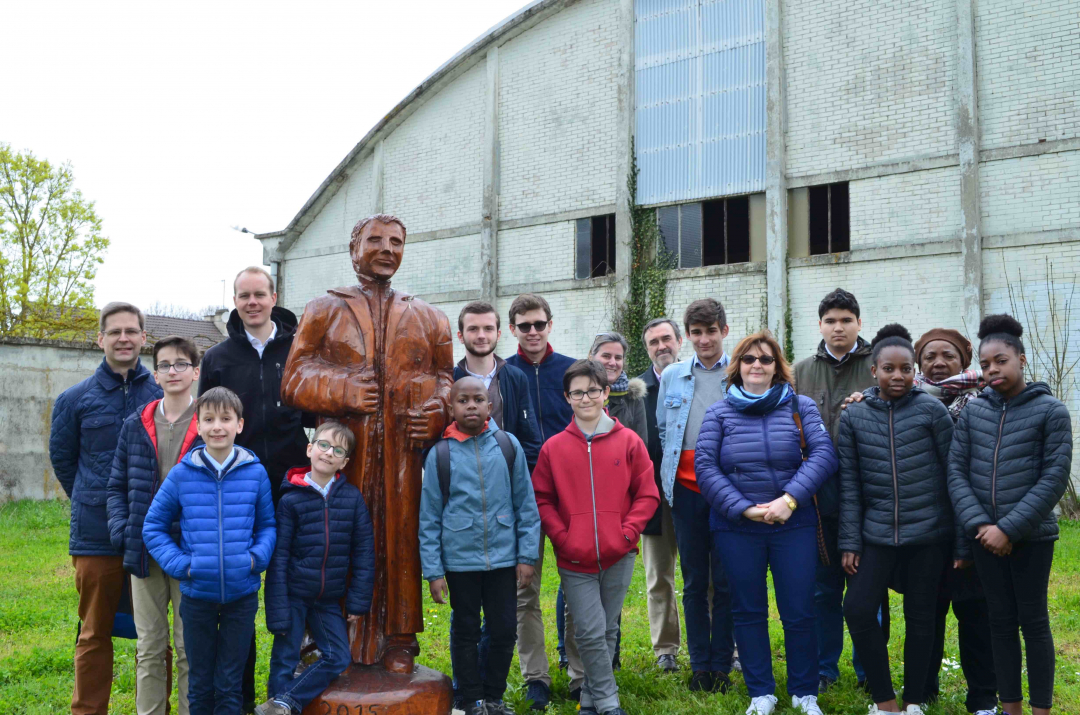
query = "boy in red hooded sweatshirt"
{"x": 594, "y": 523}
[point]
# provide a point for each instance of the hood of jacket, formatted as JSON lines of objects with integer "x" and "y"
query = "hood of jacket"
{"x": 195, "y": 459}
{"x": 872, "y": 398}
{"x": 294, "y": 479}
{"x": 1033, "y": 390}
{"x": 637, "y": 389}
{"x": 284, "y": 319}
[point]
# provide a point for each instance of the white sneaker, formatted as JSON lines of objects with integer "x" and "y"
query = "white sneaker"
{"x": 762, "y": 705}
{"x": 874, "y": 711}
{"x": 987, "y": 712}
{"x": 913, "y": 709}
{"x": 806, "y": 704}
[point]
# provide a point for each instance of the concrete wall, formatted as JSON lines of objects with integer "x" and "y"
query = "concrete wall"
{"x": 32, "y": 375}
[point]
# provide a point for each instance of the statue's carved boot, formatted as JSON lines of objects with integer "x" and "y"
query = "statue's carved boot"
{"x": 400, "y": 654}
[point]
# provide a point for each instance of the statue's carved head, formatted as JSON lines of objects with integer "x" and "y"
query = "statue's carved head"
{"x": 376, "y": 246}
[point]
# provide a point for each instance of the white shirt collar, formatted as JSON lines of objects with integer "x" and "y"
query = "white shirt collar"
{"x": 258, "y": 344}
{"x": 486, "y": 378}
{"x": 214, "y": 463}
{"x": 838, "y": 359}
{"x": 720, "y": 364}
{"x": 325, "y": 491}
{"x": 161, "y": 404}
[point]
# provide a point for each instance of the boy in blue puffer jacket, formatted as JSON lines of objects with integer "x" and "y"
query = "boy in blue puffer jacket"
{"x": 221, "y": 495}
{"x": 479, "y": 534}
{"x": 324, "y": 531}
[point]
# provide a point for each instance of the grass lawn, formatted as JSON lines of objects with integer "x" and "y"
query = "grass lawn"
{"x": 38, "y": 620}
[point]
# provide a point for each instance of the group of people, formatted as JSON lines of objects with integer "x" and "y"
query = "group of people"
{"x": 867, "y": 466}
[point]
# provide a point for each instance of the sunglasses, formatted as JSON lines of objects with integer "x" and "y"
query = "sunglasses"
{"x": 529, "y": 327}
{"x": 751, "y": 359}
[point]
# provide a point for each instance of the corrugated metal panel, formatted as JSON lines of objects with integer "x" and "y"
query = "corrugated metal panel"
{"x": 700, "y": 114}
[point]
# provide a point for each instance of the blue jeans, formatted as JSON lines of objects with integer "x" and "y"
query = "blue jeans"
{"x": 791, "y": 555}
{"x": 709, "y": 635}
{"x": 829, "y": 605}
{"x": 217, "y": 637}
{"x": 327, "y": 627}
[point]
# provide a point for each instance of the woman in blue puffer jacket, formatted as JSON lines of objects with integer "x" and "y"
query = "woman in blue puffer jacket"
{"x": 759, "y": 478}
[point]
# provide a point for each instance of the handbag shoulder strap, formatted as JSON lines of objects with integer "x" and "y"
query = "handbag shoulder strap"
{"x": 797, "y": 416}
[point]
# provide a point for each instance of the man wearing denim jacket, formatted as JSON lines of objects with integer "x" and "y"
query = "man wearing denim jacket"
{"x": 687, "y": 390}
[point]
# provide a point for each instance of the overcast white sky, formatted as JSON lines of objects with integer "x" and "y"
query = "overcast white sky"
{"x": 184, "y": 119}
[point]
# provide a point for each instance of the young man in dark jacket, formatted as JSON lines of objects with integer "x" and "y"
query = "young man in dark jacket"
{"x": 530, "y": 323}
{"x": 594, "y": 523}
{"x": 251, "y": 363}
{"x": 325, "y": 551}
{"x": 840, "y": 367}
{"x": 508, "y": 389}
{"x": 152, "y": 442}
{"x": 659, "y": 550}
{"x": 86, "y": 421}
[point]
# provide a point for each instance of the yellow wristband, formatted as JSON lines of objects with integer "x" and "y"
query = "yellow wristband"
{"x": 792, "y": 504}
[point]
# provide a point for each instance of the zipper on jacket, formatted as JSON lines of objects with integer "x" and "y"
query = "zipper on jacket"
{"x": 280, "y": 379}
{"x": 595, "y": 520}
{"x": 483, "y": 501}
{"x": 262, "y": 401}
{"x": 895, "y": 481}
{"x": 993, "y": 474}
{"x": 539, "y": 409}
{"x": 221, "y": 539}
{"x": 326, "y": 546}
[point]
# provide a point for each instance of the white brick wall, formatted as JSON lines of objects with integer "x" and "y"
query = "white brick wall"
{"x": 557, "y": 113}
{"x": 1034, "y": 193}
{"x": 917, "y": 207}
{"x": 434, "y": 167}
{"x": 920, "y": 293}
{"x": 537, "y": 253}
{"x": 307, "y": 278}
{"x": 1029, "y": 87}
{"x": 332, "y": 225}
{"x": 447, "y": 264}
{"x": 741, "y": 294}
{"x": 867, "y": 81}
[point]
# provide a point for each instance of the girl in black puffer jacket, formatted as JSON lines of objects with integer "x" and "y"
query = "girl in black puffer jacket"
{"x": 894, "y": 511}
{"x": 1008, "y": 467}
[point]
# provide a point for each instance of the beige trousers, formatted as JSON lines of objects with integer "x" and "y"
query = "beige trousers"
{"x": 660, "y": 554}
{"x": 150, "y": 598}
{"x": 532, "y": 655}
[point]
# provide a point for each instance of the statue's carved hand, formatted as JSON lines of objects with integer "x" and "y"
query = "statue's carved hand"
{"x": 367, "y": 397}
{"x": 425, "y": 422}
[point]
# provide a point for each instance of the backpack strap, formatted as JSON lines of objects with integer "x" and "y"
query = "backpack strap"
{"x": 507, "y": 447}
{"x": 442, "y": 462}
{"x": 442, "y": 467}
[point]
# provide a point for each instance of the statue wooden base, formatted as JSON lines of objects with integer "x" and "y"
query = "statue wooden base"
{"x": 372, "y": 690}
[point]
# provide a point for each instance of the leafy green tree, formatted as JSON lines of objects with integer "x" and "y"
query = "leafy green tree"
{"x": 50, "y": 248}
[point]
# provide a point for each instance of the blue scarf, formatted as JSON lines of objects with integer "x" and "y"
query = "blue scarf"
{"x": 621, "y": 386}
{"x": 750, "y": 404}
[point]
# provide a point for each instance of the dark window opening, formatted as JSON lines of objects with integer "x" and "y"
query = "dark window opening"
{"x": 595, "y": 246}
{"x": 725, "y": 231}
{"x": 830, "y": 227}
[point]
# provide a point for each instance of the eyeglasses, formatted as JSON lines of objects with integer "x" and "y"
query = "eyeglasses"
{"x": 529, "y": 327}
{"x": 751, "y": 359}
{"x": 180, "y": 367}
{"x": 592, "y": 392}
{"x": 126, "y": 332}
{"x": 325, "y": 446}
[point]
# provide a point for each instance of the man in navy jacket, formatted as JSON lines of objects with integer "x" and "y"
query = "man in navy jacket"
{"x": 530, "y": 323}
{"x": 508, "y": 388}
{"x": 86, "y": 422}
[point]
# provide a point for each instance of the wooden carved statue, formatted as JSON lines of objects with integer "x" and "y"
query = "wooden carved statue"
{"x": 382, "y": 362}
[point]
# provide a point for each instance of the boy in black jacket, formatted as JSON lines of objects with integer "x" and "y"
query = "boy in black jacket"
{"x": 323, "y": 532}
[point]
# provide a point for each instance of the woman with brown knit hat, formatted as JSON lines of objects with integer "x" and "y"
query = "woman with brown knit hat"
{"x": 943, "y": 355}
